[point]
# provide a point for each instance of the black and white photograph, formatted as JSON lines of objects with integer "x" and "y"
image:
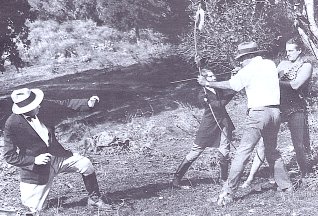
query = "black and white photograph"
{"x": 158, "y": 107}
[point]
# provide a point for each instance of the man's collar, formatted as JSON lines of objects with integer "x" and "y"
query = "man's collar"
{"x": 254, "y": 59}
{"x": 257, "y": 58}
{"x": 29, "y": 118}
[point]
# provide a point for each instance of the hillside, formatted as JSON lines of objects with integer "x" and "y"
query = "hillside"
{"x": 140, "y": 132}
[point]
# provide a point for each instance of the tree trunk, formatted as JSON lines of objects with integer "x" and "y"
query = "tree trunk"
{"x": 309, "y": 6}
{"x": 137, "y": 32}
{"x": 306, "y": 25}
{"x": 308, "y": 42}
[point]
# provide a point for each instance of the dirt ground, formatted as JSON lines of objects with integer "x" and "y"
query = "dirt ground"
{"x": 159, "y": 121}
{"x": 140, "y": 88}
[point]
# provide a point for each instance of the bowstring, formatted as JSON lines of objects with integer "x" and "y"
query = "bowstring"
{"x": 204, "y": 89}
{"x": 200, "y": 72}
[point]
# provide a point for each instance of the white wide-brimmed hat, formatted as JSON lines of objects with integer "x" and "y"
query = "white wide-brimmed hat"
{"x": 247, "y": 48}
{"x": 26, "y": 100}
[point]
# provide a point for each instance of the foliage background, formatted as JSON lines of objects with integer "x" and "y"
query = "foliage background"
{"x": 71, "y": 36}
{"x": 13, "y": 15}
{"x": 229, "y": 23}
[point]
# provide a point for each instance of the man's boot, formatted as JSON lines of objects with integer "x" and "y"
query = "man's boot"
{"x": 182, "y": 169}
{"x": 94, "y": 196}
{"x": 224, "y": 166}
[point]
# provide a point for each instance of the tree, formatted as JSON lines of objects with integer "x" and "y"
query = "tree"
{"x": 227, "y": 23}
{"x": 305, "y": 23}
{"x": 63, "y": 10}
{"x": 123, "y": 15}
{"x": 13, "y": 30}
{"x": 132, "y": 14}
{"x": 176, "y": 20}
{"x": 168, "y": 17}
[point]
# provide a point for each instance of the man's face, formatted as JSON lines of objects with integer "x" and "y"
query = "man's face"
{"x": 34, "y": 112}
{"x": 211, "y": 77}
{"x": 292, "y": 52}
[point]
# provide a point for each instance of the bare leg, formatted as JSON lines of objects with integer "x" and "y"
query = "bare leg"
{"x": 257, "y": 162}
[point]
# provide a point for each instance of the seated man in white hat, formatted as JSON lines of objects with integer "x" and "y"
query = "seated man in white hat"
{"x": 32, "y": 146}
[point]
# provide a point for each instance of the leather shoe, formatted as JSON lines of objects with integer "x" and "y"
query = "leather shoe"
{"x": 289, "y": 189}
{"x": 224, "y": 199}
{"x": 176, "y": 183}
{"x": 99, "y": 203}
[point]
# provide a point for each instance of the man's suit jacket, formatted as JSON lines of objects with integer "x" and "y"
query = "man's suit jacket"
{"x": 209, "y": 133}
{"x": 22, "y": 144}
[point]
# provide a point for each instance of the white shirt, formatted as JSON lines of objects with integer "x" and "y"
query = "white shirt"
{"x": 211, "y": 89}
{"x": 40, "y": 129}
{"x": 261, "y": 83}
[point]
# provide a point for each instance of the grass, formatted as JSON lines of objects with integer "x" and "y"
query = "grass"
{"x": 135, "y": 160}
{"x": 74, "y": 46}
{"x": 137, "y": 178}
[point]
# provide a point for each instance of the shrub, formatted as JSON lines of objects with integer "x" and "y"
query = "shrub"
{"x": 13, "y": 31}
{"x": 83, "y": 41}
{"x": 229, "y": 23}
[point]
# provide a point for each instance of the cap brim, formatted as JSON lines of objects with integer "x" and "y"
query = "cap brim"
{"x": 39, "y": 95}
{"x": 243, "y": 54}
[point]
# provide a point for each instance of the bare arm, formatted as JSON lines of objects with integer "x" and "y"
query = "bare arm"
{"x": 303, "y": 75}
{"x": 220, "y": 85}
{"x": 257, "y": 162}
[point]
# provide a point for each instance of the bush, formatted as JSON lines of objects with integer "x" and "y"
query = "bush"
{"x": 13, "y": 31}
{"x": 82, "y": 41}
{"x": 141, "y": 131}
{"x": 228, "y": 24}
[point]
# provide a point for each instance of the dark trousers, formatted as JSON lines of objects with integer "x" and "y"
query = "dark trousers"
{"x": 298, "y": 126}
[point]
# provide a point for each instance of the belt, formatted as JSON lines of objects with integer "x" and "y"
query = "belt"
{"x": 268, "y": 106}
{"x": 272, "y": 106}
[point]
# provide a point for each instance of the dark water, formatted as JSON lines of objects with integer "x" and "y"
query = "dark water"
{"x": 137, "y": 90}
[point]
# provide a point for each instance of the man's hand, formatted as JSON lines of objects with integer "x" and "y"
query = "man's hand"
{"x": 209, "y": 75}
{"x": 202, "y": 81}
{"x": 206, "y": 72}
{"x": 197, "y": 60}
{"x": 280, "y": 73}
{"x": 76, "y": 154}
{"x": 235, "y": 70}
{"x": 92, "y": 101}
{"x": 42, "y": 159}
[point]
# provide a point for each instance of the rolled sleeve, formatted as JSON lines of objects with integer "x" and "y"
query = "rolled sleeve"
{"x": 242, "y": 78}
{"x": 237, "y": 83}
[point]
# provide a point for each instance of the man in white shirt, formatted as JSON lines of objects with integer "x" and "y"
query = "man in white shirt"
{"x": 259, "y": 78}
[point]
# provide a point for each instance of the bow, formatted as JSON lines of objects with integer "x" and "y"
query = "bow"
{"x": 198, "y": 24}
